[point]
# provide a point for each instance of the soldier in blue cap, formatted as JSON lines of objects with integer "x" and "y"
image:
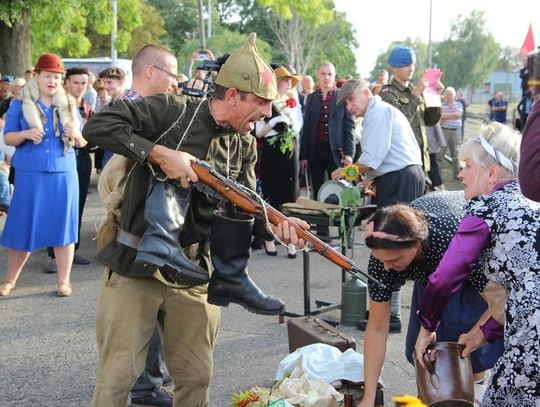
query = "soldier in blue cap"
{"x": 402, "y": 94}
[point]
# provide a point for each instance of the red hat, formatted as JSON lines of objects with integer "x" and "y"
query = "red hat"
{"x": 49, "y": 63}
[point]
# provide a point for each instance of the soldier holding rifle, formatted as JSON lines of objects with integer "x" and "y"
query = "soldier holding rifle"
{"x": 145, "y": 271}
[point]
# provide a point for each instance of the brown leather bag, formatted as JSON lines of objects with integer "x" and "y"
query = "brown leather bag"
{"x": 307, "y": 330}
{"x": 448, "y": 381}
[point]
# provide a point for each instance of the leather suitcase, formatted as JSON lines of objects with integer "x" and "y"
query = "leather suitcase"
{"x": 307, "y": 330}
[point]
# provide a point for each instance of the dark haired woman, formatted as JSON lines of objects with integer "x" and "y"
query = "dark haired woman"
{"x": 408, "y": 242}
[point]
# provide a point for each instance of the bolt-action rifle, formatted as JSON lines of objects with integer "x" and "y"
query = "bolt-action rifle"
{"x": 215, "y": 183}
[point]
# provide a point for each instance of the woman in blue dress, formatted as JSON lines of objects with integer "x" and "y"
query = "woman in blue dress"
{"x": 43, "y": 126}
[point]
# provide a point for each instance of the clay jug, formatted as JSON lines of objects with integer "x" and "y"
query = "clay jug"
{"x": 448, "y": 381}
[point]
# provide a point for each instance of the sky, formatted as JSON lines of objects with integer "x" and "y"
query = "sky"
{"x": 378, "y": 23}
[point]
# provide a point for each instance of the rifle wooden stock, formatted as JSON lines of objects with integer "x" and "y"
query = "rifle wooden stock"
{"x": 250, "y": 204}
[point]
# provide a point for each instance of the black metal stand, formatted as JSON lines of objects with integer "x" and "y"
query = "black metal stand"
{"x": 318, "y": 221}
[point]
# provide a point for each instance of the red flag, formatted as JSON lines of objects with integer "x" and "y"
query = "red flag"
{"x": 528, "y": 44}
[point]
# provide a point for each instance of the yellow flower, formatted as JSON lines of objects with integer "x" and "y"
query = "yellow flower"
{"x": 408, "y": 401}
{"x": 351, "y": 173}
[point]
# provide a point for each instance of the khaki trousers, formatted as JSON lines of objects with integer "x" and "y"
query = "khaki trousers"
{"x": 126, "y": 316}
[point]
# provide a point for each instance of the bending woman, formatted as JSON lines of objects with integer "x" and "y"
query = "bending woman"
{"x": 502, "y": 229}
{"x": 408, "y": 242}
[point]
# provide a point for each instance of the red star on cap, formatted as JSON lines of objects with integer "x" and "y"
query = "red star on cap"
{"x": 267, "y": 77}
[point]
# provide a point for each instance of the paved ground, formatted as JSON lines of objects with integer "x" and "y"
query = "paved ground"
{"x": 47, "y": 344}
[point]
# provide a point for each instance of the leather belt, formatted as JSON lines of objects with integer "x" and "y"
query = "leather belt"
{"x": 128, "y": 239}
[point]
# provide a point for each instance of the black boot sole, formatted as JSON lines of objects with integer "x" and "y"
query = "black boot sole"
{"x": 183, "y": 277}
{"x": 224, "y": 302}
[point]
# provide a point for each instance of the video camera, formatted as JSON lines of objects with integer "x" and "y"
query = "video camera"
{"x": 209, "y": 66}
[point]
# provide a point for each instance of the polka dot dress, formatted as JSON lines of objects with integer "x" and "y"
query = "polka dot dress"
{"x": 443, "y": 212}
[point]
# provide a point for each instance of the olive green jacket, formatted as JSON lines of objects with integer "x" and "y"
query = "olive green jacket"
{"x": 415, "y": 110}
{"x": 132, "y": 129}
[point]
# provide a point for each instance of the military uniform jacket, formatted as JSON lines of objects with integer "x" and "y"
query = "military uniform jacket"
{"x": 131, "y": 129}
{"x": 415, "y": 110}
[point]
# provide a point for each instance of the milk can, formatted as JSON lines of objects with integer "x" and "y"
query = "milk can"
{"x": 353, "y": 301}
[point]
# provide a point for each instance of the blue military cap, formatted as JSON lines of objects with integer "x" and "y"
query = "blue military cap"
{"x": 7, "y": 78}
{"x": 401, "y": 56}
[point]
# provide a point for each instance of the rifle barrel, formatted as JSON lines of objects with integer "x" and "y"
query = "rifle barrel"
{"x": 233, "y": 192}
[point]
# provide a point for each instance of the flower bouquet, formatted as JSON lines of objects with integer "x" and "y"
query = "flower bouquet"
{"x": 255, "y": 397}
{"x": 350, "y": 199}
{"x": 285, "y": 140}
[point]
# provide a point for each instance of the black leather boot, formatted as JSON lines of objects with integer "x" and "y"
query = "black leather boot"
{"x": 164, "y": 213}
{"x": 230, "y": 251}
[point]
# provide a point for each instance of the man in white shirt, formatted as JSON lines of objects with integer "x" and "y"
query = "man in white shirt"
{"x": 390, "y": 152}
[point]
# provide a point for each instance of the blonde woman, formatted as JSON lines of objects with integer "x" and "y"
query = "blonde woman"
{"x": 501, "y": 228}
{"x": 279, "y": 156}
{"x": 44, "y": 127}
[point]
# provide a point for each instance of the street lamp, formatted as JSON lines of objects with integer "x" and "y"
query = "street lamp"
{"x": 113, "y": 33}
{"x": 429, "y": 38}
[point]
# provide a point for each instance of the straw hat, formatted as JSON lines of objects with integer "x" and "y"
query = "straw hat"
{"x": 282, "y": 72}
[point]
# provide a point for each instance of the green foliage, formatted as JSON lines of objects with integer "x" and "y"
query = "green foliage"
{"x": 469, "y": 54}
{"x": 65, "y": 26}
{"x": 151, "y": 30}
{"x": 339, "y": 39}
{"x": 11, "y": 10}
{"x": 224, "y": 42}
{"x": 101, "y": 17}
{"x": 509, "y": 60}
{"x": 284, "y": 141}
{"x": 313, "y": 12}
{"x": 297, "y": 38}
{"x": 68, "y": 36}
{"x": 181, "y": 22}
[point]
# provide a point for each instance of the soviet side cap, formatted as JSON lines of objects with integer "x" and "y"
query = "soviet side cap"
{"x": 247, "y": 71}
{"x": 348, "y": 89}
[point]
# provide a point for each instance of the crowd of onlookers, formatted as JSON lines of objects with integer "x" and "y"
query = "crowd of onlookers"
{"x": 281, "y": 174}
{"x": 393, "y": 134}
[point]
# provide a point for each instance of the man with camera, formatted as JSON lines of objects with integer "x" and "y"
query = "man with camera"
{"x": 162, "y": 134}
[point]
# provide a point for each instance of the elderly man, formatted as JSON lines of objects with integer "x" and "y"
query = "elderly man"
{"x": 162, "y": 134}
{"x": 452, "y": 111}
{"x": 390, "y": 153}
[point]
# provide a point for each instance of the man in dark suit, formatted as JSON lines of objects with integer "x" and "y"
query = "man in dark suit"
{"x": 327, "y": 139}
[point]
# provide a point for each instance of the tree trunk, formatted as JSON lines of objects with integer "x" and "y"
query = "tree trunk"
{"x": 15, "y": 45}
